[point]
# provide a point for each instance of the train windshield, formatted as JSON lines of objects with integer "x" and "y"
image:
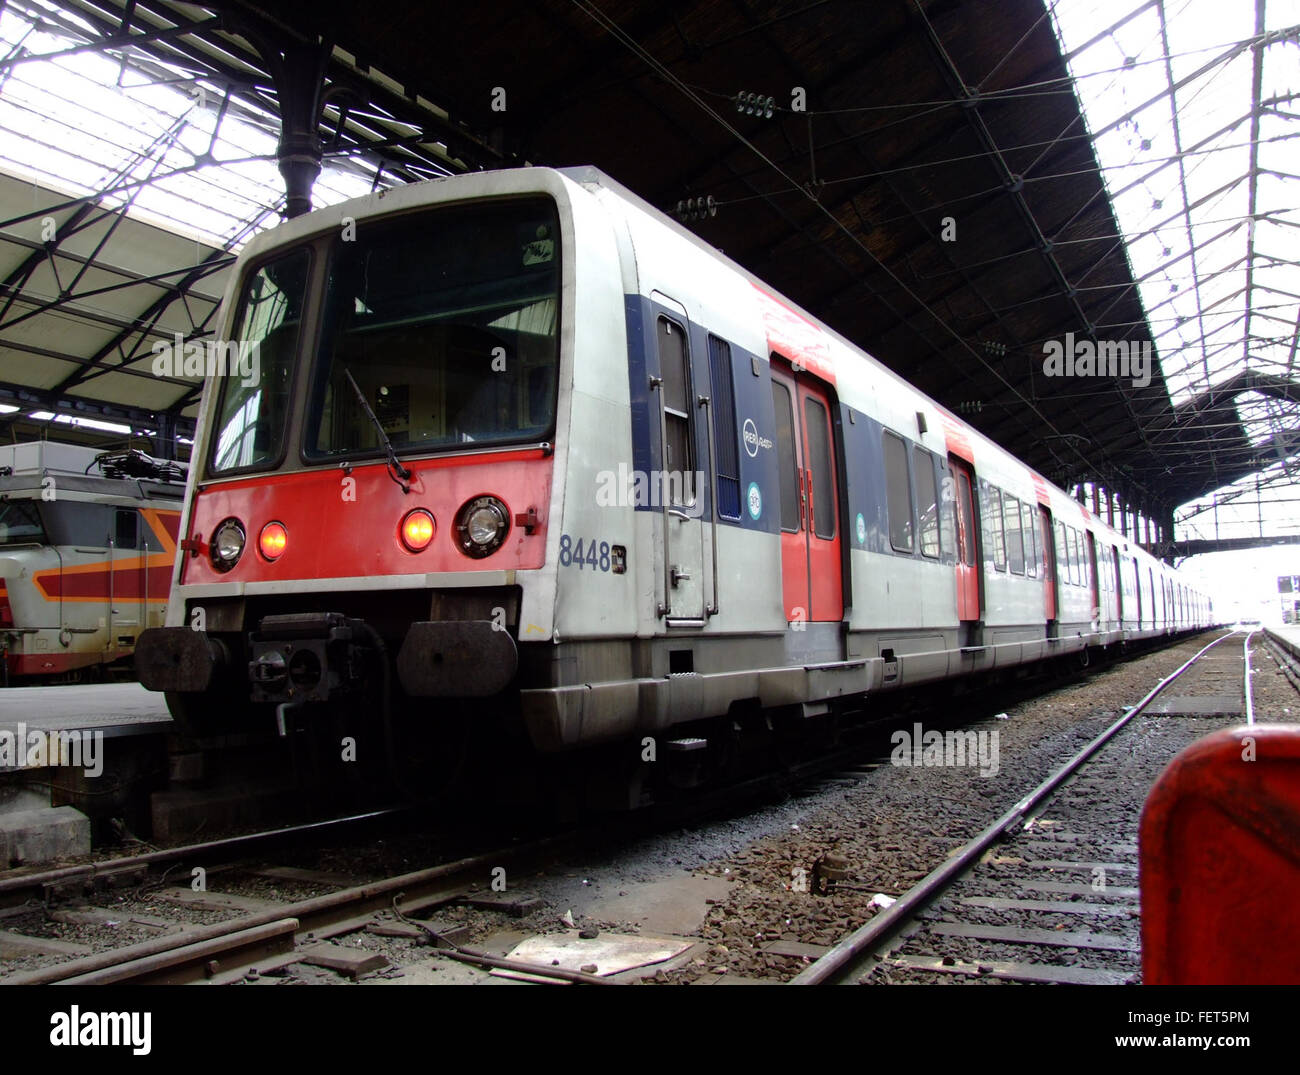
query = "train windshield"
{"x": 256, "y": 367}
{"x": 20, "y": 523}
{"x": 448, "y": 324}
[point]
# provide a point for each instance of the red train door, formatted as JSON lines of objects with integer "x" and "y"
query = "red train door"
{"x": 1119, "y": 586}
{"x": 1049, "y": 562}
{"x": 1137, "y": 590}
{"x": 1094, "y": 578}
{"x": 968, "y": 579}
{"x": 810, "y": 515}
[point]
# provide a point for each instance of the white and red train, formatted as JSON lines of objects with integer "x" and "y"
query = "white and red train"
{"x": 87, "y": 544}
{"x": 518, "y": 436}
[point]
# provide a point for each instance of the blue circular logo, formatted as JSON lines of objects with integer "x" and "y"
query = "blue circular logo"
{"x": 755, "y": 499}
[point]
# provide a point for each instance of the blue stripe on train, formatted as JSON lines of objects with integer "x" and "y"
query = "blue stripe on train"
{"x": 753, "y": 496}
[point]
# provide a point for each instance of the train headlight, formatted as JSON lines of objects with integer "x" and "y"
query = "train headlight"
{"x": 481, "y": 526}
{"x": 227, "y": 544}
{"x": 272, "y": 540}
{"x": 417, "y": 530}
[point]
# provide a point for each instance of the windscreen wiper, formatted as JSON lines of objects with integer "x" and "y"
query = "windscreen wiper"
{"x": 396, "y": 471}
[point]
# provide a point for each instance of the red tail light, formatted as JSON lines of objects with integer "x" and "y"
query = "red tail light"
{"x": 273, "y": 539}
{"x": 417, "y": 529}
{"x": 6, "y": 613}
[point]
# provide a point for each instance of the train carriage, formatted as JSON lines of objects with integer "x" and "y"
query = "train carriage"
{"x": 87, "y": 546}
{"x": 519, "y": 437}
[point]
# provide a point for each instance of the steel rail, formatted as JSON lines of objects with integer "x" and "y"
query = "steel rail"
{"x": 832, "y": 966}
{"x": 443, "y": 882}
{"x": 1250, "y": 705}
{"x": 65, "y": 875}
{"x": 1285, "y": 660}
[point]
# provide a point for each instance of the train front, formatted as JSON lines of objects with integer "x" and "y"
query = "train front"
{"x": 365, "y": 528}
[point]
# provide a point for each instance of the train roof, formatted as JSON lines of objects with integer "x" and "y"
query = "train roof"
{"x": 43, "y": 458}
{"x": 589, "y": 177}
{"x": 119, "y": 477}
{"x": 508, "y": 182}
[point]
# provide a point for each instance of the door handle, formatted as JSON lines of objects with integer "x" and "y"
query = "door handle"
{"x": 810, "y": 499}
{"x": 678, "y": 513}
{"x": 803, "y": 503}
{"x": 679, "y": 576}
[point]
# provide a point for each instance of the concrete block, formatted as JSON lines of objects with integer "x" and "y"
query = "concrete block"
{"x": 17, "y": 795}
{"x": 30, "y": 837}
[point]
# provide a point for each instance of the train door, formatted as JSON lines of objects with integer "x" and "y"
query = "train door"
{"x": 1095, "y": 580}
{"x": 968, "y": 554}
{"x": 1050, "y": 593}
{"x": 811, "y": 572}
{"x": 681, "y": 482}
{"x": 1119, "y": 585}
{"x": 1137, "y": 591}
{"x": 127, "y": 593}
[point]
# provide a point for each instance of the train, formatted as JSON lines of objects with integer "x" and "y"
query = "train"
{"x": 519, "y": 443}
{"x": 87, "y": 547}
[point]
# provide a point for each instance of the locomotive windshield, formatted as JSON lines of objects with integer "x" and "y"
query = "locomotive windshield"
{"x": 20, "y": 524}
{"x": 448, "y": 324}
{"x": 255, "y": 397}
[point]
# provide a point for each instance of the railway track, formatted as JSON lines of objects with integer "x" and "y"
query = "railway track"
{"x": 264, "y": 936}
{"x": 1048, "y": 893}
{"x": 1286, "y": 661}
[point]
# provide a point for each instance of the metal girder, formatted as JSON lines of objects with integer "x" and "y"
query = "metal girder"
{"x": 27, "y": 398}
{"x": 1199, "y": 546}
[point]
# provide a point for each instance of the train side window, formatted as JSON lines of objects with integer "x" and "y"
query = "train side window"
{"x": 991, "y": 510}
{"x": 1062, "y": 555}
{"x": 947, "y": 513}
{"x": 1015, "y": 540}
{"x": 898, "y": 492}
{"x": 126, "y": 530}
{"x": 787, "y": 461}
{"x": 927, "y": 502}
{"x": 1030, "y": 539}
{"x": 20, "y": 523}
{"x": 821, "y": 483}
{"x": 724, "y": 429}
{"x": 966, "y": 506}
{"x": 679, "y": 452}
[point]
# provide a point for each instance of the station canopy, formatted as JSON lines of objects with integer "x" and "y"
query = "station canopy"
{"x": 956, "y": 187}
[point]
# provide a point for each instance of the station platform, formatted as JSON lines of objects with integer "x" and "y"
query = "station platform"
{"x": 1287, "y": 637}
{"x": 71, "y": 760}
{"x": 112, "y": 709}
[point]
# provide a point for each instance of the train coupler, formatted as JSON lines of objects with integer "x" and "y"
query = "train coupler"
{"x": 305, "y": 657}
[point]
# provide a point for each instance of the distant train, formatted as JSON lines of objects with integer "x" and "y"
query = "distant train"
{"x": 520, "y": 443}
{"x": 87, "y": 544}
